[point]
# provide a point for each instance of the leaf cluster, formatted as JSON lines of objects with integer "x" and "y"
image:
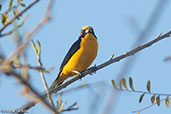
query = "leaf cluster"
{"x": 155, "y": 97}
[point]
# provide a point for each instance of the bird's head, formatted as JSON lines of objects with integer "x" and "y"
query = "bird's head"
{"x": 87, "y": 29}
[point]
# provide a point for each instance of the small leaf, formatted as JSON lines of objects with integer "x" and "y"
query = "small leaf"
{"x": 14, "y": 12}
{"x": 141, "y": 97}
{"x": 3, "y": 19}
{"x": 6, "y": 18}
{"x": 10, "y": 5}
{"x": 131, "y": 83}
{"x": 17, "y": 11}
{"x": 38, "y": 47}
{"x": 124, "y": 83}
{"x": 167, "y": 102}
{"x": 158, "y": 100}
{"x": 34, "y": 47}
{"x": 120, "y": 84}
{"x": 22, "y": 4}
{"x": 153, "y": 99}
{"x": 114, "y": 84}
{"x": 0, "y": 7}
{"x": 112, "y": 56}
{"x": 148, "y": 86}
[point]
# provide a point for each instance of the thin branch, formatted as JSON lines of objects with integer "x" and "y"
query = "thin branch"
{"x": 14, "y": 18}
{"x": 22, "y": 47}
{"x": 24, "y": 83}
{"x": 39, "y": 69}
{"x": 145, "y": 92}
{"x": 14, "y": 29}
{"x": 147, "y": 107}
{"x": 69, "y": 109}
{"x": 128, "y": 64}
{"x": 91, "y": 70}
{"x": 43, "y": 78}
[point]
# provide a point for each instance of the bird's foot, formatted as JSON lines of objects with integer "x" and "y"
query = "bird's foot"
{"x": 93, "y": 69}
{"x": 78, "y": 74}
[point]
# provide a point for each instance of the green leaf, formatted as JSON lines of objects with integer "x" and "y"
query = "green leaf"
{"x": 38, "y": 47}
{"x": 167, "y": 102}
{"x": 141, "y": 97}
{"x": 148, "y": 86}
{"x": 124, "y": 83}
{"x": 131, "y": 83}
{"x": 22, "y": 4}
{"x": 3, "y": 19}
{"x": 120, "y": 84}
{"x": 158, "y": 100}
{"x": 0, "y": 7}
{"x": 153, "y": 99}
{"x": 114, "y": 84}
{"x": 10, "y": 5}
{"x": 14, "y": 12}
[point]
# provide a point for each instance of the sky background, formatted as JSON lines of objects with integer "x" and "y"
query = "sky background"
{"x": 117, "y": 25}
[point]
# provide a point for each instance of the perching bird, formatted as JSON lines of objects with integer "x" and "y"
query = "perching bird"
{"x": 79, "y": 57}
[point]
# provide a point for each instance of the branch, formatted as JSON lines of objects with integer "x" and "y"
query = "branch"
{"x": 145, "y": 92}
{"x": 38, "y": 52}
{"x": 18, "y": 77}
{"x": 128, "y": 64}
{"x": 91, "y": 70}
{"x": 14, "y": 18}
{"x": 147, "y": 107}
{"x": 14, "y": 29}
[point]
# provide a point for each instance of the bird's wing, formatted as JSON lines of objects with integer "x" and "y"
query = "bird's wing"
{"x": 70, "y": 53}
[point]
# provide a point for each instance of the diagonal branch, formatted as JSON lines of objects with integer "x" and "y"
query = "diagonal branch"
{"x": 91, "y": 70}
{"x": 14, "y": 18}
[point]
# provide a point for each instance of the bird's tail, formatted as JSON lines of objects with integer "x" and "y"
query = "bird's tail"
{"x": 55, "y": 84}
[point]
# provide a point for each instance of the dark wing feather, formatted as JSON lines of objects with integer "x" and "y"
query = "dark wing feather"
{"x": 70, "y": 53}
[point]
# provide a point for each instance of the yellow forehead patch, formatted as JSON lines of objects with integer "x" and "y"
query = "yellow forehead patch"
{"x": 86, "y": 27}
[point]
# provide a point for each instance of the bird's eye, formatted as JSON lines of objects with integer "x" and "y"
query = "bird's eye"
{"x": 90, "y": 30}
{"x": 87, "y": 30}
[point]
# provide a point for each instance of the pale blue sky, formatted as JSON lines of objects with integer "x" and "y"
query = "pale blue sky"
{"x": 111, "y": 20}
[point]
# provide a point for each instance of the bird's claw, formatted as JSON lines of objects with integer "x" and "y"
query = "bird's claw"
{"x": 78, "y": 74}
{"x": 93, "y": 69}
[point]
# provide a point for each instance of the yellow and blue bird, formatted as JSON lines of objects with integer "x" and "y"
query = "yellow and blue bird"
{"x": 79, "y": 57}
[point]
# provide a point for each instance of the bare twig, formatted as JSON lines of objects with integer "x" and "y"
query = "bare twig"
{"x": 91, "y": 70}
{"x": 24, "y": 83}
{"x": 42, "y": 75}
{"x": 39, "y": 69}
{"x": 70, "y": 109}
{"x": 14, "y": 18}
{"x": 147, "y": 107}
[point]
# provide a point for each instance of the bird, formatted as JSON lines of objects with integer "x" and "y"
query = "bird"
{"x": 79, "y": 57}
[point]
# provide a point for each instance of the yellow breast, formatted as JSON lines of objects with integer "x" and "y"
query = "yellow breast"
{"x": 83, "y": 58}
